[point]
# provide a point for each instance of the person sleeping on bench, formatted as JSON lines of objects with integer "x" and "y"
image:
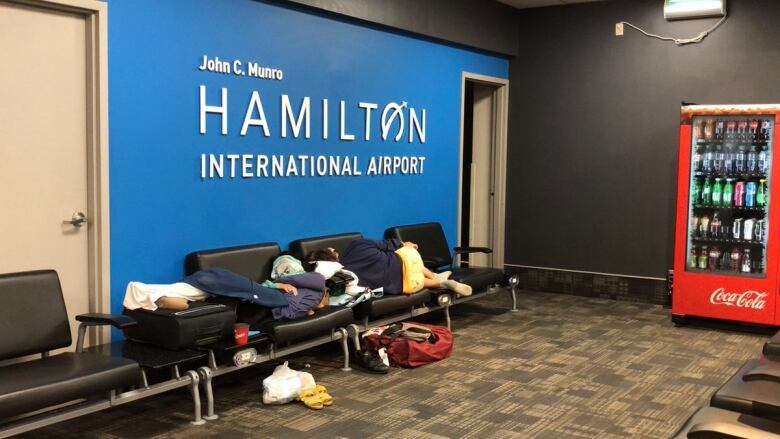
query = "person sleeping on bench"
{"x": 290, "y": 297}
{"x": 390, "y": 264}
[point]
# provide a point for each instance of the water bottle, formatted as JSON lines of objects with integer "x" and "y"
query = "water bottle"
{"x": 752, "y": 160}
{"x": 739, "y": 160}
{"x": 763, "y": 163}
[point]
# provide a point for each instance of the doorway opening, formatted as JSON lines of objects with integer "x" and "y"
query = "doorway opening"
{"x": 482, "y": 184}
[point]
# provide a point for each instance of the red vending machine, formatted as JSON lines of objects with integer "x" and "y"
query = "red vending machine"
{"x": 726, "y": 242}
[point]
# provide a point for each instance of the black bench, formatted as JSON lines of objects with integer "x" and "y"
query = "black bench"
{"x": 57, "y": 387}
{"x": 436, "y": 256}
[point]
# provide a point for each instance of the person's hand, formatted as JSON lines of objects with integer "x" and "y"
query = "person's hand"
{"x": 410, "y": 244}
{"x": 287, "y": 288}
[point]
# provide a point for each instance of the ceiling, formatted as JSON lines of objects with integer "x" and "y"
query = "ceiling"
{"x": 521, "y": 4}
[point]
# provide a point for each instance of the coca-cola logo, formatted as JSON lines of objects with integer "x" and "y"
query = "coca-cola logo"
{"x": 748, "y": 299}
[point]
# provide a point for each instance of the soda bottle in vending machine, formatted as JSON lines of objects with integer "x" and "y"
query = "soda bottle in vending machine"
{"x": 753, "y": 130}
{"x": 715, "y": 225}
{"x": 763, "y": 131}
{"x": 763, "y": 161}
{"x": 761, "y": 193}
{"x": 728, "y": 192}
{"x": 750, "y": 194}
{"x": 695, "y": 226}
{"x": 736, "y": 228}
{"x": 713, "y": 261}
{"x": 697, "y": 159}
{"x": 717, "y": 192}
{"x": 735, "y": 259}
{"x": 703, "y": 257}
{"x": 728, "y": 160}
{"x": 759, "y": 230}
{"x": 742, "y": 131}
{"x": 706, "y": 192}
{"x": 720, "y": 129}
{"x": 709, "y": 130}
{"x": 707, "y": 159}
{"x": 752, "y": 160}
{"x": 747, "y": 262}
{"x": 739, "y": 193}
{"x": 693, "y": 258}
{"x": 704, "y": 226}
{"x": 717, "y": 160}
{"x": 696, "y": 191}
{"x": 739, "y": 160}
{"x": 731, "y": 131}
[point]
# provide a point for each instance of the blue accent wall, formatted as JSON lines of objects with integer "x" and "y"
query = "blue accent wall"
{"x": 161, "y": 208}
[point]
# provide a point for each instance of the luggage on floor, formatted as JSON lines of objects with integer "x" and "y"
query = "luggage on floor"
{"x": 201, "y": 324}
{"x": 412, "y": 344}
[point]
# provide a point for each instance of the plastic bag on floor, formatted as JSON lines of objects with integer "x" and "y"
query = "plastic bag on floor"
{"x": 285, "y": 384}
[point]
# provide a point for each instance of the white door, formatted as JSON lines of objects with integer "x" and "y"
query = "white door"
{"x": 43, "y": 147}
{"x": 481, "y": 193}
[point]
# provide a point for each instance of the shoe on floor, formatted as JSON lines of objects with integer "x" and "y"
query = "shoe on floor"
{"x": 370, "y": 362}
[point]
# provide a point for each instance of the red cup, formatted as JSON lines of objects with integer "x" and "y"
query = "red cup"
{"x": 241, "y": 333}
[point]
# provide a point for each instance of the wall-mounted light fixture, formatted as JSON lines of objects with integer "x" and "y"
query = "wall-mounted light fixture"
{"x": 682, "y": 9}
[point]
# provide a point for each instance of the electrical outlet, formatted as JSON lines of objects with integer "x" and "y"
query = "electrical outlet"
{"x": 618, "y": 29}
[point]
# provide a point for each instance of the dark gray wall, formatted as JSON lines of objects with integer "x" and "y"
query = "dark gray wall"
{"x": 594, "y": 122}
{"x": 483, "y": 24}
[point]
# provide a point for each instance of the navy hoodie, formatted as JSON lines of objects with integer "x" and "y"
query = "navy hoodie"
{"x": 375, "y": 264}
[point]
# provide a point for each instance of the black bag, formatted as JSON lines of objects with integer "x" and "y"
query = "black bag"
{"x": 337, "y": 284}
{"x": 202, "y": 324}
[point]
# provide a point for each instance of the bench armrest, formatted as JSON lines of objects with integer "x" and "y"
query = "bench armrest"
{"x": 462, "y": 250}
{"x": 117, "y": 321}
{"x": 433, "y": 262}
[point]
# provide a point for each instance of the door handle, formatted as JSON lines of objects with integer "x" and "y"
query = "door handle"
{"x": 77, "y": 220}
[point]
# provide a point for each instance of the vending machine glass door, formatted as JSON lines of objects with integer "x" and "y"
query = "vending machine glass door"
{"x": 728, "y": 204}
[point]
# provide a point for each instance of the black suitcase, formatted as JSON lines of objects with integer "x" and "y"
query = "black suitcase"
{"x": 202, "y": 324}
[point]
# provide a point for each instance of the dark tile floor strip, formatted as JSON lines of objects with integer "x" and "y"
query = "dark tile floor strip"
{"x": 562, "y": 367}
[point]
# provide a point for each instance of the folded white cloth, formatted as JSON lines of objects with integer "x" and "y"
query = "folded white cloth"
{"x": 140, "y": 295}
{"x": 327, "y": 268}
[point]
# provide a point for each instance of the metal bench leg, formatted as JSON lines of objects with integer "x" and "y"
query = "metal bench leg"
{"x": 444, "y": 301}
{"x": 206, "y": 377}
{"x": 514, "y": 281}
{"x": 194, "y": 381}
{"x": 354, "y": 334}
{"x": 345, "y": 348}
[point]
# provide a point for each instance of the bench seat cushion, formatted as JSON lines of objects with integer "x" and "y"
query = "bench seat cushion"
{"x": 322, "y": 322}
{"x": 478, "y": 278}
{"x": 709, "y": 422}
{"x": 41, "y": 383}
{"x": 390, "y": 304}
{"x": 759, "y": 397}
{"x": 772, "y": 348}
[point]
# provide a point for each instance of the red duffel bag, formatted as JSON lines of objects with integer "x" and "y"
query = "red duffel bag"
{"x": 411, "y": 344}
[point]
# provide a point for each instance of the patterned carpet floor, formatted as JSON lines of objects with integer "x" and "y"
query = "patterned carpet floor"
{"x": 562, "y": 367}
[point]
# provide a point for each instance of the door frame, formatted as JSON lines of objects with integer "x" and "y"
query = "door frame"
{"x": 499, "y": 145}
{"x": 95, "y": 14}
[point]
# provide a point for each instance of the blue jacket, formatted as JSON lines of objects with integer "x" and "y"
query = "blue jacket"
{"x": 310, "y": 289}
{"x": 224, "y": 283}
{"x": 375, "y": 264}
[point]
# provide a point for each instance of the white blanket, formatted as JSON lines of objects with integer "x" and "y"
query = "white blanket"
{"x": 140, "y": 295}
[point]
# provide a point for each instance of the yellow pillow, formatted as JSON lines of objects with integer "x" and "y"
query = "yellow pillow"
{"x": 412, "y": 269}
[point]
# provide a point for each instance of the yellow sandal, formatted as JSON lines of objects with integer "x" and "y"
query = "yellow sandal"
{"x": 311, "y": 399}
{"x": 324, "y": 396}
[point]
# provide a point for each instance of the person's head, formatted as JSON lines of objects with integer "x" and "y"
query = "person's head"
{"x": 321, "y": 254}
